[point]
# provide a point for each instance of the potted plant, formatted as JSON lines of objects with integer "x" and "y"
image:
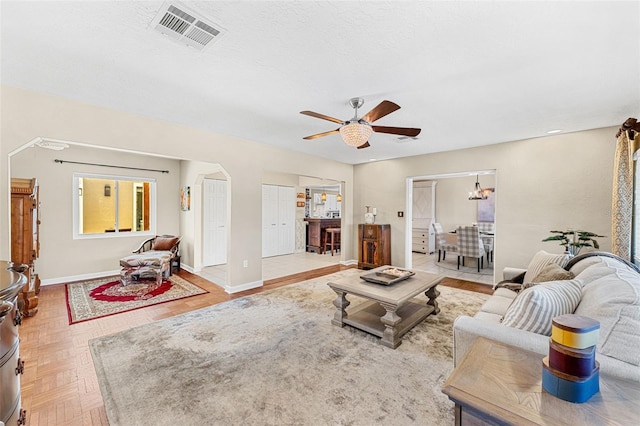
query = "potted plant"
{"x": 573, "y": 240}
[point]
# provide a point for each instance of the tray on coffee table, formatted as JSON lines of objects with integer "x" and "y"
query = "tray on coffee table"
{"x": 387, "y": 275}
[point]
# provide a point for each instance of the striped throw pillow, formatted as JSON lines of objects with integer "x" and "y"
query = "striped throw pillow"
{"x": 534, "y": 308}
{"x": 540, "y": 260}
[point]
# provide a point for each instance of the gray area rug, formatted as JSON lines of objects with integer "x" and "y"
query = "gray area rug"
{"x": 274, "y": 358}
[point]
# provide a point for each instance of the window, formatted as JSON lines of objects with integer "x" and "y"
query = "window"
{"x": 113, "y": 205}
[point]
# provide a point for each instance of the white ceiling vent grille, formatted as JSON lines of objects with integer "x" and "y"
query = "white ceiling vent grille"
{"x": 183, "y": 25}
{"x": 402, "y": 139}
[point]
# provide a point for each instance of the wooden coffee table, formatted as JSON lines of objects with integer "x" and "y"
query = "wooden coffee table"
{"x": 501, "y": 384}
{"x": 389, "y": 312}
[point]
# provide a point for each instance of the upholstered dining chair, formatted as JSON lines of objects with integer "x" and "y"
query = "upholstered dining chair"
{"x": 470, "y": 245}
{"x": 489, "y": 228}
{"x": 442, "y": 244}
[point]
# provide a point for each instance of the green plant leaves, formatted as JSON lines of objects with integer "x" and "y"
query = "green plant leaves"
{"x": 576, "y": 239}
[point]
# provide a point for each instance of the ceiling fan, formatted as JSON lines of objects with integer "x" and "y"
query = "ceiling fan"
{"x": 356, "y": 131}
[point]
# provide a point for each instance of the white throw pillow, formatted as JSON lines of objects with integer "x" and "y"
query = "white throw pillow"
{"x": 535, "y": 307}
{"x": 540, "y": 260}
{"x": 611, "y": 295}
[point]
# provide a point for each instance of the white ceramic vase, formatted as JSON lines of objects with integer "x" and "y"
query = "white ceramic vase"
{"x": 369, "y": 218}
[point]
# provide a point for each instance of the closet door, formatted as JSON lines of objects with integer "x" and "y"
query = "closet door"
{"x": 286, "y": 220}
{"x": 214, "y": 244}
{"x": 278, "y": 220}
{"x": 269, "y": 220}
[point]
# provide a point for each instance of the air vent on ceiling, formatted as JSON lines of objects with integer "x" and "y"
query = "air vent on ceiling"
{"x": 401, "y": 139}
{"x": 183, "y": 25}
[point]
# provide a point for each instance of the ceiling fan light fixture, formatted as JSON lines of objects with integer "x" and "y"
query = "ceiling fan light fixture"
{"x": 355, "y": 133}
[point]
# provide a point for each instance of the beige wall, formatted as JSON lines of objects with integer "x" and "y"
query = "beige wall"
{"x": 60, "y": 255}
{"x": 547, "y": 183}
{"x": 27, "y": 115}
{"x": 541, "y": 184}
{"x": 453, "y": 208}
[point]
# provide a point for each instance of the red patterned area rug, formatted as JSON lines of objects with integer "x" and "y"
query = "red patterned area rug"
{"x": 87, "y": 300}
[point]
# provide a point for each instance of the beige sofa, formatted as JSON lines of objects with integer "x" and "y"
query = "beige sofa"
{"x": 608, "y": 291}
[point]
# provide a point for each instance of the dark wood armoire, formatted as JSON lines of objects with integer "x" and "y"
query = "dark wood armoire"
{"x": 374, "y": 245}
{"x": 25, "y": 238}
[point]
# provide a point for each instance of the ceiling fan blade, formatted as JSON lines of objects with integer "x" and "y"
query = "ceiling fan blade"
{"x": 364, "y": 145}
{"x": 383, "y": 108}
{"x": 319, "y": 135}
{"x": 324, "y": 117}
{"x": 405, "y": 131}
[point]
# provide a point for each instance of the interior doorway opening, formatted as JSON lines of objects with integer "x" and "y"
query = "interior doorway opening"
{"x": 454, "y": 206}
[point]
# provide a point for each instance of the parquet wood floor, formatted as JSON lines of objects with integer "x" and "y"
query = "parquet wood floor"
{"x": 59, "y": 384}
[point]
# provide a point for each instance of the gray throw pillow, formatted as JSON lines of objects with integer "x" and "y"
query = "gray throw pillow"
{"x": 553, "y": 272}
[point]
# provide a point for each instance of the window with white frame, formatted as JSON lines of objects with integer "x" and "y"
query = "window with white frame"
{"x": 107, "y": 205}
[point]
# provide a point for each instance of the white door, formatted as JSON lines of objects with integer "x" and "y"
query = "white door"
{"x": 278, "y": 220}
{"x": 286, "y": 220}
{"x": 214, "y": 226}
{"x": 269, "y": 220}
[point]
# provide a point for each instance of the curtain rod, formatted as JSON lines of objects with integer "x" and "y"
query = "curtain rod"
{"x": 110, "y": 165}
{"x": 631, "y": 125}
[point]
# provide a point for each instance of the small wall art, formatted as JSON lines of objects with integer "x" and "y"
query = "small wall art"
{"x": 300, "y": 203}
{"x": 185, "y": 198}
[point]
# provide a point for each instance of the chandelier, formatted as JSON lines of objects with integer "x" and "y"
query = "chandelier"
{"x": 355, "y": 133}
{"x": 478, "y": 193}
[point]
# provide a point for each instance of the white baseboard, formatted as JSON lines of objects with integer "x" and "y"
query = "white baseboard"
{"x": 188, "y": 268}
{"x": 228, "y": 289}
{"x": 242, "y": 287}
{"x": 83, "y": 277}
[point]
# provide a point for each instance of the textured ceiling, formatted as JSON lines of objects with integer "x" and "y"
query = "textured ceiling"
{"x": 467, "y": 73}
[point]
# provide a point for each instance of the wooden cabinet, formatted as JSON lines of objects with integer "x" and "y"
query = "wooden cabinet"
{"x": 25, "y": 240}
{"x": 374, "y": 245}
{"x": 11, "y": 366}
{"x": 420, "y": 240}
{"x": 316, "y": 232}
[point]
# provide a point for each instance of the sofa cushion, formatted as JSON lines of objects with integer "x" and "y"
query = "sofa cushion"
{"x": 611, "y": 295}
{"x": 540, "y": 260}
{"x": 488, "y": 316}
{"x": 535, "y": 307}
{"x": 553, "y": 272}
{"x": 499, "y": 302}
{"x": 579, "y": 267}
{"x": 625, "y": 334}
